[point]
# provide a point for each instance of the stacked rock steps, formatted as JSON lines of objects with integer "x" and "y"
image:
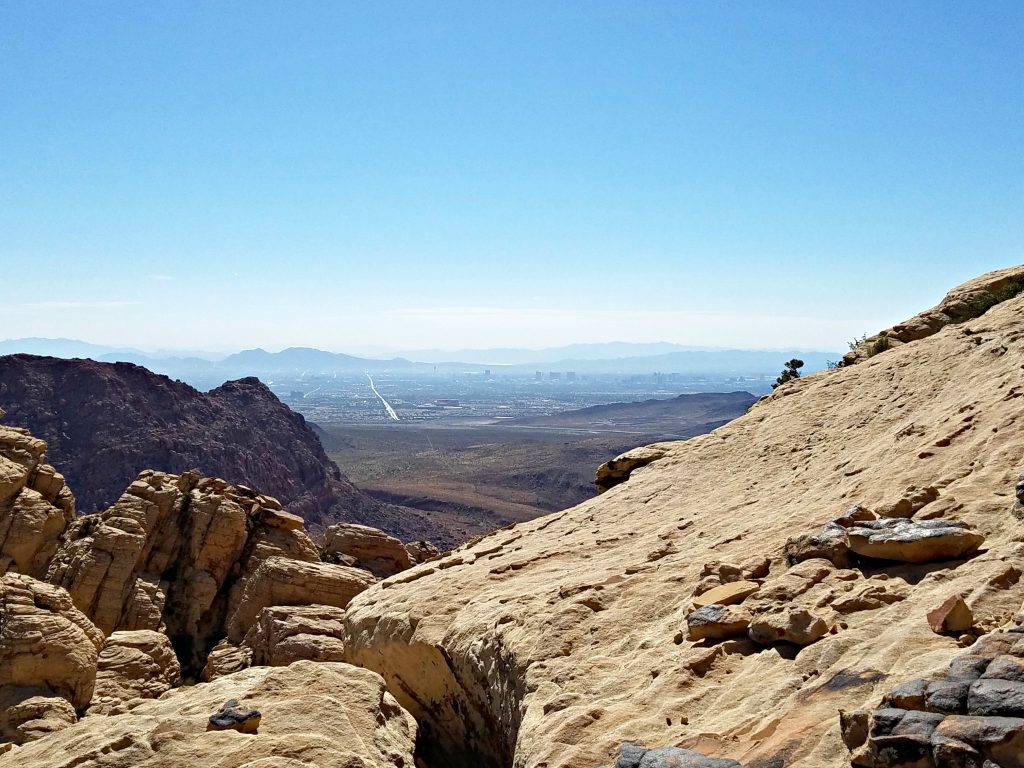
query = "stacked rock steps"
{"x": 972, "y": 717}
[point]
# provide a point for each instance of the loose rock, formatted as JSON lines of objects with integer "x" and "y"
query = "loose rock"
{"x": 232, "y": 717}
{"x": 717, "y": 622}
{"x": 912, "y": 541}
{"x": 791, "y": 625}
{"x": 368, "y": 548}
{"x": 952, "y": 616}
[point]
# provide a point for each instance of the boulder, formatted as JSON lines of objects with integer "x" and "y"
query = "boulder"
{"x": 283, "y": 634}
{"x": 1005, "y": 667}
{"x": 996, "y": 697}
{"x": 312, "y": 714}
{"x": 998, "y": 739}
{"x": 234, "y": 717}
{"x": 48, "y": 648}
{"x": 830, "y": 544}
{"x": 717, "y": 622}
{"x": 633, "y": 756}
{"x": 421, "y": 551}
{"x": 369, "y": 549}
{"x": 947, "y": 697}
{"x": 952, "y": 616}
{"x": 133, "y": 665}
{"x": 225, "y": 659}
{"x": 27, "y": 719}
{"x": 913, "y": 541}
{"x": 973, "y": 718}
{"x": 790, "y": 625}
{"x": 282, "y": 581}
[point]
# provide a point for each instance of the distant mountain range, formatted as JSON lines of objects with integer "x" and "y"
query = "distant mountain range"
{"x": 610, "y": 358}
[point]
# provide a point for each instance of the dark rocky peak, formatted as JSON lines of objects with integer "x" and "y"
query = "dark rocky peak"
{"x": 106, "y": 422}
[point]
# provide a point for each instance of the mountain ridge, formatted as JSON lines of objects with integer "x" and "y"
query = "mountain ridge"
{"x": 299, "y": 360}
{"x": 106, "y": 422}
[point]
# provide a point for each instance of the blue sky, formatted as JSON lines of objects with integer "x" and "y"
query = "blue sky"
{"x": 448, "y": 174}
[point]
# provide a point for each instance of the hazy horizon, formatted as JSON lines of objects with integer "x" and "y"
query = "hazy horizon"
{"x": 471, "y": 175}
{"x": 384, "y": 352}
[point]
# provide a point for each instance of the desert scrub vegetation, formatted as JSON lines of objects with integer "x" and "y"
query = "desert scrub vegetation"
{"x": 789, "y": 372}
{"x": 881, "y": 344}
{"x": 982, "y": 302}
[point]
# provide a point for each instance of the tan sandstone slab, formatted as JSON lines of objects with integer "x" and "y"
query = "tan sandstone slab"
{"x": 727, "y": 594}
{"x": 312, "y": 714}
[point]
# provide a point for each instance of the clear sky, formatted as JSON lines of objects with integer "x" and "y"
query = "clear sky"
{"x": 446, "y": 174}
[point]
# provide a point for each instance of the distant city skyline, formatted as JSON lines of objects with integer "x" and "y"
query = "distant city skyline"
{"x": 467, "y": 175}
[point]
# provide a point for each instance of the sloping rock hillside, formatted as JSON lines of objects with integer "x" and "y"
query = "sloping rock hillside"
{"x": 106, "y": 422}
{"x": 553, "y": 642}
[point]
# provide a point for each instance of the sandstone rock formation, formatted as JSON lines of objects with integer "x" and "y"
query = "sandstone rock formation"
{"x": 174, "y": 555}
{"x": 963, "y": 303}
{"x": 48, "y": 651}
{"x": 973, "y": 714}
{"x": 132, "y": 666}
{"x": 283, "y": 634}
{"x": 234, "y": 717}
{"x": 954, "y": 615}
{"x": 911, "y": 541}
{"x": 284, "y": 581}
{"x": 567, "y": 640}
{"x": 862, "y": 532}
{"x": 35, "y": 504}
{"x": 225, "y": 659}
{"x": 634, "y": 756}
{"x": 367, "y": 548}
{"x": 311, "y": 715}
{"x": 727, "y": 594}
{"x": 107, "y": 422}
{"x": 791, "y": 625}
{"x": 557, "y": 640}
{"x": 717, "y": 622}
{"x": 27, "y": 719}
{"x": 618, "y": 470}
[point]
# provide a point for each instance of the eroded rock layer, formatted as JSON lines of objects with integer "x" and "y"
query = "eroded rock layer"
{"x": 48, "y": 653}
{"x": 174, "y": 554}
{"x": 35, "y": 504}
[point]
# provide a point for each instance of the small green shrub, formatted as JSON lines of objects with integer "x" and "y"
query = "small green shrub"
{"x": 881, "y": 344}
{"x": 87, "y": 524}
{"x": 790, "y": 372}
